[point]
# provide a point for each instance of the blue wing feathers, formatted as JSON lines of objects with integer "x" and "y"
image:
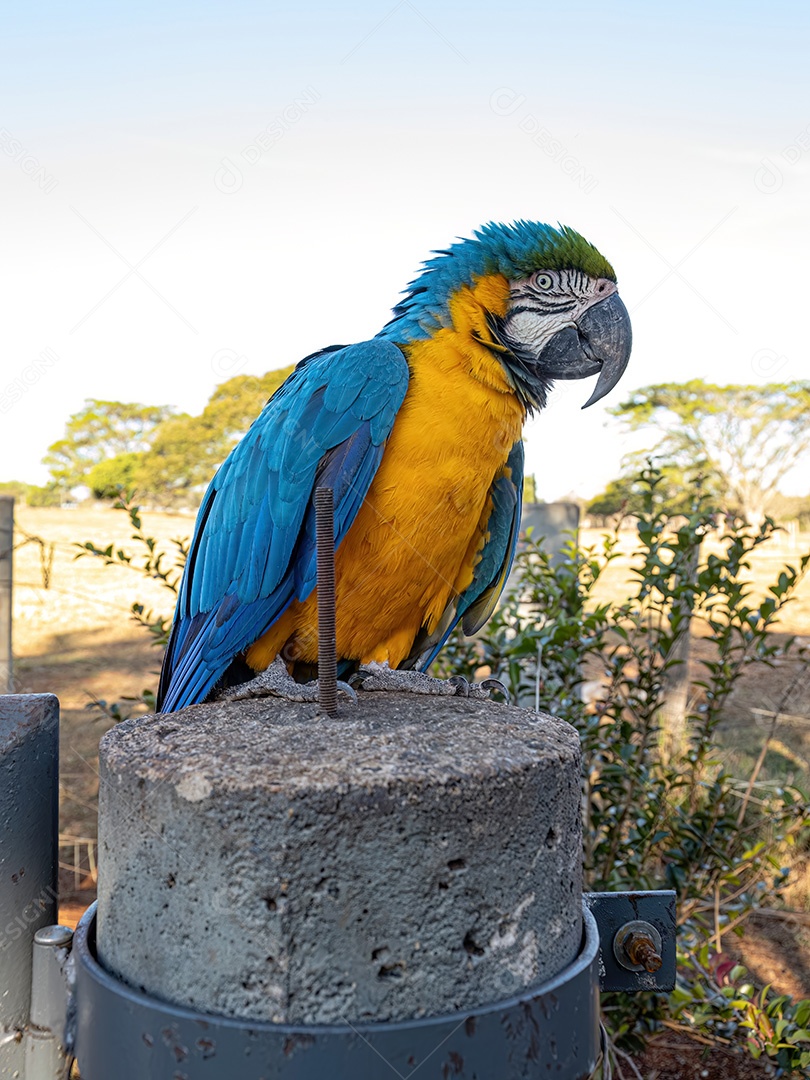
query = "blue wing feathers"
{"x": 253, "y": 549}
{"x": 339, "y": 398}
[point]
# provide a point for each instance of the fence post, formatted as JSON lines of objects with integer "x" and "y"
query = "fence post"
{"x": 556, "y": 522}
{"x": 29, "y": 802}
{"x": 6, "y": 560}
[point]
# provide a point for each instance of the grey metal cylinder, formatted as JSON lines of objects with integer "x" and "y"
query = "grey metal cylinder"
{"x": 29, "y": 804}
{"x": 551, "y": 1030}
{"x": 413, "y": 857}
{"x": 46, "y": 1053}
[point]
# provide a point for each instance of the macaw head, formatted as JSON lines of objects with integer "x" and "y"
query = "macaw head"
{"x": 549, "y": 304}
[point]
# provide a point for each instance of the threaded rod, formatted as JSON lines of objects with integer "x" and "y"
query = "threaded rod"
{"x": 327, "y": 634}
{"x": 641, "y": 950}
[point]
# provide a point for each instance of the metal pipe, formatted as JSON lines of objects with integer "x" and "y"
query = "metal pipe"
{"x": 46, "y": 1053}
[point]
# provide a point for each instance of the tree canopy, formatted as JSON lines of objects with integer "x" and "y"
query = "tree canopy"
{"x": 186, "y": 450}
{"x": 674, "y": 492}
{"x": 32, "y": 494}
{"x": 99, "y": 431}
{"x": 166, "y": 457}
{"x": 107, "y": 477}
{"x": 742, "y": 439}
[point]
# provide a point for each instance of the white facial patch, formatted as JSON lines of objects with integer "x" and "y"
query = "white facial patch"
{"x": 533, "y": 331}
{"x": 548, "y": 301}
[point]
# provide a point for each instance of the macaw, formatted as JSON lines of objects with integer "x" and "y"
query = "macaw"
{"x": 418, "y": 433}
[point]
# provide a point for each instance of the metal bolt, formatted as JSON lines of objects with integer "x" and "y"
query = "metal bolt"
{"x": 56, "y": 936}
{"x": 637, "y": 947}
{"x": 641, "y": 950}
{"x": 327, "y": 633}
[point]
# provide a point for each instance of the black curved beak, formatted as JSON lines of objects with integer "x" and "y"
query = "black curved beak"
{"x": 599, "y": 343}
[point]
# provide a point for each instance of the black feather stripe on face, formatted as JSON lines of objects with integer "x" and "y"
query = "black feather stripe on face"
{"x": 520, "y": 366}
{"x": 542, "y": 308}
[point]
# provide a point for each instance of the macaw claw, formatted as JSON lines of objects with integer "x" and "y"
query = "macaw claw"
{"x": 276, "y": 681}
{"x": 478, "y": 690}
{"x": 375, "y": 676}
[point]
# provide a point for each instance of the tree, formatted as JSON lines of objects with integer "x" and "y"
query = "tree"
{"x": 236, "y": 403}
{"x": 743, "y": 439}
{"x": 32, "y": 494}
{"x": 167, "y": 457}
{"x": 186, "y": 450}
{"x": 99, "y": 431}
{"x": 674, "y": 492}
{"x": 793, "y": 508}
{"x": 108, "y": 477}
{"x": 16, "y": 488}
{"x": 619, "y": 497}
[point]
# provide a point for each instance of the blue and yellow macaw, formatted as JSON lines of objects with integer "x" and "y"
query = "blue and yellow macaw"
{"x": 418, "y": 433}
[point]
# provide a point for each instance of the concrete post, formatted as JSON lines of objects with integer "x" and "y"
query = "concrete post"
{"x": 29, "y": 802}
{"x": 6, "y": 576}
{"x": 553, "y": 521}
{"x": 414, "y": 856}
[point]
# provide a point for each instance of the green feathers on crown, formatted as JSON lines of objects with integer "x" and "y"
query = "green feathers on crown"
{"x": 515, "y": 251}
{"x": 526, "y": 246}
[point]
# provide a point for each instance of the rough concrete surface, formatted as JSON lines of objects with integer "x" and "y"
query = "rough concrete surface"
{"x": 411, "y": 857}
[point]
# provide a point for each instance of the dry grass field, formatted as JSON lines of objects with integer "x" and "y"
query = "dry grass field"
{"x": 75, "y": 638}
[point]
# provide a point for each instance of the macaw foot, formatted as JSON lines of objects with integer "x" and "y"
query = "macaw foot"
{"x": 374, "y": 676}
{"x": 276, "y": 681}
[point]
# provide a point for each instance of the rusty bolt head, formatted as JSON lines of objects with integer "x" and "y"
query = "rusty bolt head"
{"x": 641, "y": 950}
{"x": 637, "y": 947}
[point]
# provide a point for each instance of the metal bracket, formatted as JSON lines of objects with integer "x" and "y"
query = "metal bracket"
{"x": 637, "y": 939}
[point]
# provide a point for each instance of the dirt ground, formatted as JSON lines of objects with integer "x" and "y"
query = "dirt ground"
{"x": 74, "y": 636}
{"x": 677, "y": 1057}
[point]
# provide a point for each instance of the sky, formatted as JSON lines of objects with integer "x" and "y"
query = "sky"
{"x": 193, "y": 191}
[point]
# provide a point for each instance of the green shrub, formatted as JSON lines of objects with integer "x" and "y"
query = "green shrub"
{"x": 50, "y": 495}
{"x": 31, "y": 494}
{"x": 145, "y": 559}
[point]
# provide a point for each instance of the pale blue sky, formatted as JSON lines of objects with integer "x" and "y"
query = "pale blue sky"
{"x": 284, "y": 172}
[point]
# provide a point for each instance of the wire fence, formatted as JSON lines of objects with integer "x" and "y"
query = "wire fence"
{"x": 79, "y": 856}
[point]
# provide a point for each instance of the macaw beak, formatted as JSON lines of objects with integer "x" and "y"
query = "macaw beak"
{"x": 600, "y": 344}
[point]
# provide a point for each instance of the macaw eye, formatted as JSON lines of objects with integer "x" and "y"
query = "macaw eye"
{"x": 543, "y": 281}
